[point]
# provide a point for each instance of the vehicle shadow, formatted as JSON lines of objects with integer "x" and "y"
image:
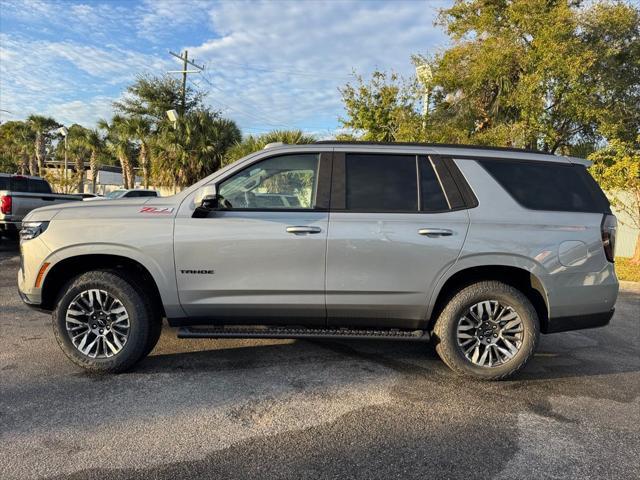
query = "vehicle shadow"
{"x": 559, "y": 356}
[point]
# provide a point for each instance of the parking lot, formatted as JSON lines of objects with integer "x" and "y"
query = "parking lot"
{"x": 321, "y": 409}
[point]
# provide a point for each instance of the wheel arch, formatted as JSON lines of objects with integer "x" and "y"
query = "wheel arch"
{"x": 518, "y": 277}
{"x": 72, "y": 266}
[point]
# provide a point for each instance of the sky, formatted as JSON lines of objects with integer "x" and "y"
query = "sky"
{"x": 268, "y": 65}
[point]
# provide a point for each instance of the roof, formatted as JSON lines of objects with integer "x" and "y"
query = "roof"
{"x": 431, "y": 145}
{"x": 456, "y": 150}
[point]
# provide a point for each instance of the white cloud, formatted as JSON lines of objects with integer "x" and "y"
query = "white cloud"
{"x": 41, "y": 76}
{"x": 85, "y": 113}
{"x": 269, "y": 64}
{"x": 282, "y": 62}
{"x": 159, "y": 18}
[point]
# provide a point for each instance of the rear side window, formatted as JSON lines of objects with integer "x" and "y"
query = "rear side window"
{"x": 432, "y": 198}
{"x": 39, "y": 186}
{"x": 381, "y": 183}
{"x": 4, "y": 183}
{"x": 19, "y": 184}
{"x": 549, "y": 186}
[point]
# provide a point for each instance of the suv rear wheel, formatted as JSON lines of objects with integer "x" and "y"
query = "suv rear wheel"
{"x": 488, "y": 330}
{"x": 103, "y": 323}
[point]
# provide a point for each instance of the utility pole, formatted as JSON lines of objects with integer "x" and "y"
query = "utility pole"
{"x": 185, "y": 61}
{"x": 425, "y": 76}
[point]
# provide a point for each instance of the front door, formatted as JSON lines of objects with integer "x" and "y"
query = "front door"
{"x": 393, "y": 232}
{"x": 261, "y": 258}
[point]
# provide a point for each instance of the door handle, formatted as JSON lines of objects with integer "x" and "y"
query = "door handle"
{"x": 435, "y": 232}
{"x": 303, "y": 229}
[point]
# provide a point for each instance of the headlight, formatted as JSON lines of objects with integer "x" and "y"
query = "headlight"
{"x": 32, "y": 230}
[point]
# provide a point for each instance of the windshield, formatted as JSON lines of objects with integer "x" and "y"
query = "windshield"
{"x": 116, "y": 194}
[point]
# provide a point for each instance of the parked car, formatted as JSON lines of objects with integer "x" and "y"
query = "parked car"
{"x": 20, "y": 194}
{"x": 478, "y": 249}
{"x": 87, "y": 196}
{"x": 130, "y": 193}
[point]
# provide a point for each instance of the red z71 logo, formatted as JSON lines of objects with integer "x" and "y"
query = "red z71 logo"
{"x": 156, "y": 210}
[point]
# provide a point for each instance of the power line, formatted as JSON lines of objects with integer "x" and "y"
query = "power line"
{"x": 263, "y": 119}
{"x": 287, "y": 72}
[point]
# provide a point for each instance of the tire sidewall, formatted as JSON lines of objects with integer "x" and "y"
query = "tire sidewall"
{"x": 461, "y": 303}
{"x": 132, "y": 301}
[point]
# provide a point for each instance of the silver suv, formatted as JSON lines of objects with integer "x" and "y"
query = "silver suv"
{"x": 479, "y": 249}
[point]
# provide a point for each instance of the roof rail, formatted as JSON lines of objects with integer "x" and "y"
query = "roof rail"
{"x": 273, "y": 144}
{"x": 436, "y": 145}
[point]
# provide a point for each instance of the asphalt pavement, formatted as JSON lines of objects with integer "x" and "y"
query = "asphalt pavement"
{"x": 267, "y": 409}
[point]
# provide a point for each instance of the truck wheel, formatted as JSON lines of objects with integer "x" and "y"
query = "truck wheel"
{"x": 101, "y": 322}
{"x": 488, "y": 330}
{"x": 155, "y": 330}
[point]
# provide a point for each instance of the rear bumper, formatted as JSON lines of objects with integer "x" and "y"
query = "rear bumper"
{"x": 7, "y": 226}
{"x": 579, "y": 322}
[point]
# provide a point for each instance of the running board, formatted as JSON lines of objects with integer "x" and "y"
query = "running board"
{"x": 283, "y": 332}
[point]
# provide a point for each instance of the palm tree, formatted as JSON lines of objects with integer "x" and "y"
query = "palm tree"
{"x": 119, "y": 143}
{"x": 93, "y": 142}
{"x": 139, "y": 129}
{"x": 253, "y": 143}
{"x": 78, "y": 150}
{"x": 42, "y": 128}
{"x": 194, "y": 148}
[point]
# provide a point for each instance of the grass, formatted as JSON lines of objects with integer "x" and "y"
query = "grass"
{"x": 626, "y": 270}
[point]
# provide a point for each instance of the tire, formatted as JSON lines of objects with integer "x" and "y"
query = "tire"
{"x": 155, "y": 330}
{"x": 472, "y": 312}
{"x": 155, "y": 314}
{"x": 95, "y": 288}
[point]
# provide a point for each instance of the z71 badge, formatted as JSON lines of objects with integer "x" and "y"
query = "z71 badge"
{"x": 156, "y": 210}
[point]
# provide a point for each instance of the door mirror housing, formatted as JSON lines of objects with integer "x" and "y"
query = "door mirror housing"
{"x": 206, "y": 201}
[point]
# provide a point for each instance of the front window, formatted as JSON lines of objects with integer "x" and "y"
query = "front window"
{"x": 285, "y": 182}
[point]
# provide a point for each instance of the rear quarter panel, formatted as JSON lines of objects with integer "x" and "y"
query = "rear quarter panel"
{"x": 562, "y": 249}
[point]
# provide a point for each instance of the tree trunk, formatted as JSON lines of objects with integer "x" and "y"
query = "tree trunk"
{"x": 33, "y": 166}
{"x": 131, "y": 174}
{"x": 93, "y": 165}
{"x": 123, "y": 165}
{"x": 40, "y": 152}
{"x": 144, "y": 163}
{"x": 80, "y": 173}
{"x": 636, "y": 254}
{"x": 24, "y": 164}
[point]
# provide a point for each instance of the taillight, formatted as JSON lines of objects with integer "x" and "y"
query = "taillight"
{"x": 608, "y": 229}
{"x": 5, "y": 205}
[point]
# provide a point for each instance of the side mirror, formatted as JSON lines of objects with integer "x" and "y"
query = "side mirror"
{"x": 206, "y": 201}
{"x": 210, "y": 202}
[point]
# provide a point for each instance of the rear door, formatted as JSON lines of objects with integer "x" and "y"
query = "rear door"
{"x": 259, "y": 260}
{"x": 397, "y": 223}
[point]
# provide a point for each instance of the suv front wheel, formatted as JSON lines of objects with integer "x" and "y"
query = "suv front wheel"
{"x": 102, "y": 323}
{"x": 488, "y": 330}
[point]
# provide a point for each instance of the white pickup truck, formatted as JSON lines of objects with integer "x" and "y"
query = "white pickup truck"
{"x": 20, "y": 194}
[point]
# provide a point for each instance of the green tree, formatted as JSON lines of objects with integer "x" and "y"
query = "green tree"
{"x": 151, "y": 97}
{"x": 79, "y": 152}
{"x": 119, "y": 143}
{"x": 384, "y": 109}
{"x": 139, "y": 129}
{"x": 94, "y": 143}
{"x": 254, "y": 143}
{"x": 16, "y": 147}
{"x": 193, "y": 149}
{"x": 42, "y": 128}
{"x": 617, "y": 168}
{"x": 557, "y": 76}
